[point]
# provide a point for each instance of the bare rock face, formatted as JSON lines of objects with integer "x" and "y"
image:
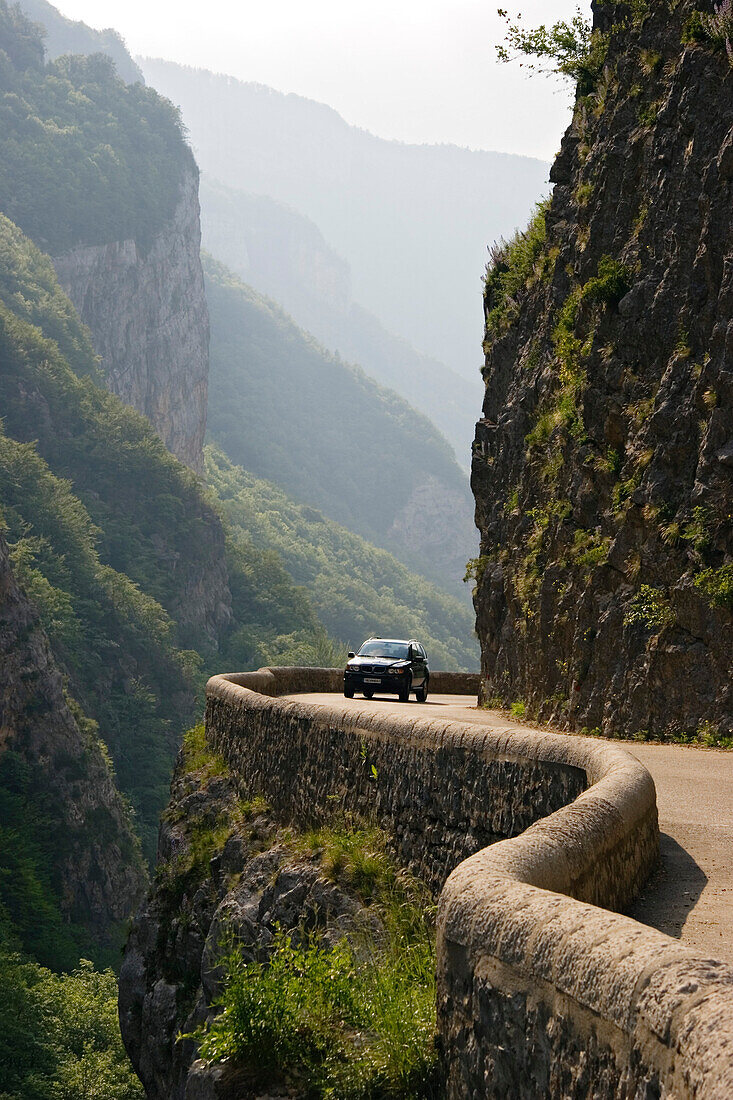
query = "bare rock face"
{"x": 436, "y": 521}
{"x": 602, "y": 467}
{"x": 149, "y": 322}
{"x": 98, "y": 863}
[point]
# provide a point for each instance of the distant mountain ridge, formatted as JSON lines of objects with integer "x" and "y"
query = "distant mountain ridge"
{"x": 284, "y": 255}
{"x": 71, "y": 36}
{"x": 413, "y": 221}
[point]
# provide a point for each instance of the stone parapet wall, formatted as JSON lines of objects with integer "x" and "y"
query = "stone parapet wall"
{"x": 292, "y": 680}
{"x": 541, "y": 993}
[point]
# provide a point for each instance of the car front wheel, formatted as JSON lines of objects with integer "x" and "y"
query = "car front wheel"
{"x": 349, "y": 692}
{"x": 421, "y": 694}
{"x": 404, "y": 692}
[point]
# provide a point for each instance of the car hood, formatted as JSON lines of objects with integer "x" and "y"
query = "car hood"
{"x": 377, "y": 662}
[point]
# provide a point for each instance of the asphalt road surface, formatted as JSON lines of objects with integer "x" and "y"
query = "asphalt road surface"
{"x": 690, "y": 896}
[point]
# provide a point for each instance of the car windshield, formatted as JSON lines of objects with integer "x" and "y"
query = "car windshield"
{"x": 397, "y": 650}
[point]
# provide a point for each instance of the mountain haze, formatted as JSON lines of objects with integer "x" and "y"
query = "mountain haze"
{"x": 284, "y": 255}
{"x": 290, "y": 412}
{"x": 65, "y": 36}
{"x": 412, "y": 221}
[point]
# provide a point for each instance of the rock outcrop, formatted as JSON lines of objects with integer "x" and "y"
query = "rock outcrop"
{"x": 149, "y": 322}
{"x": 211, "y": 893}
{"x": 436, "y": 522}
{"x": 603, "y": 465}
{"x": 98, "y": 867}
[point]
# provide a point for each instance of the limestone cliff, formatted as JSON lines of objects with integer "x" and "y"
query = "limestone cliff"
{"x": 603, "y": 465}
{"x": 149, "y": 322}
{"x": 97, "y": 868}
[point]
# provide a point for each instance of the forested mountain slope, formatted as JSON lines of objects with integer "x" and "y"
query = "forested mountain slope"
{"x": 603, "y": 467}
{"x": 290, "y": 412}
{"x": 84, "y": 158}
{"x": 99, "y": 175}
{"x": 413, "y": 221}
{"x": 117, "y": 543}
{"x": 356, "y": 588}
{"x": 283, "y": 254}
{"x": 70, "y": 867}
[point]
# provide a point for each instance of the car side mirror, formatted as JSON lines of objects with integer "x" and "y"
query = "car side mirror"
{"x": 350, "y": 654}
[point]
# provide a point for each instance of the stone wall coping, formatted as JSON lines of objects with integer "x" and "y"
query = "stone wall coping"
{"x": 529, "y": 911}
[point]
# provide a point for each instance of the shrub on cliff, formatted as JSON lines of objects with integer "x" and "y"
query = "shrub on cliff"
{"x": 354, "y": 1018}
{"x": 570, "y": 49}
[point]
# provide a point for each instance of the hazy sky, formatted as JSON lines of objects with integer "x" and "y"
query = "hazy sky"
{"x": 417, "y": 70}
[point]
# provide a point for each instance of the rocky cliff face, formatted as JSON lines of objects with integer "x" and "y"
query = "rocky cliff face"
{"x": 98, "y": 869}
{"x": 227, "y": 874}
{"x": 436, "y": 523}
{"x": 149, "y": 322}
{"x": 603, "y": 465}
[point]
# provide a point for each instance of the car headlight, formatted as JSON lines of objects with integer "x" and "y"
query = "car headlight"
{"x": 397, "y": 671}
{"x": 351, "y": 668}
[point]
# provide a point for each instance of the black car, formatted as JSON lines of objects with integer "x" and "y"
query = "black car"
{"x": 388, "y": 665}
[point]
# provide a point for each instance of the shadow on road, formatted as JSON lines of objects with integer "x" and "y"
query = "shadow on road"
{"x": 672, "y": 890}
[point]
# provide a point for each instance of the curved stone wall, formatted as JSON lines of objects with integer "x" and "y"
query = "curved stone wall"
{"x": 530, "y": 839}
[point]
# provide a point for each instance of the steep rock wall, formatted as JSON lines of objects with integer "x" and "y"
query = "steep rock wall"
{"x": 149, "y": 321}
{"x": 98, "y": 866}
{"x": 603, "y": 465}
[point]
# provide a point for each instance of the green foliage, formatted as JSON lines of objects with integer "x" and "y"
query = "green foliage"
{"x": 612, "y": 462}
{"x": 611, "y": 283}
{"x": 649, "y": 607}
{"x": 716, "y": 585}
{"x": 97, "y": 511}
{"x": 84, "y": 158}
{"x": 32, "y": 851}
{"x": 697, "y": 530}
{"x": 356, "y": 589}
{"x": 353, "y": 1020}
{"x": 513, "y": 264}
{"x": 30, "y": 290}
{"x": 518, "y": 709}
{"x": 198, "y": 757}
{"x": 475, "y": 568}
{"x": 64, "y": 36}
{"x": 570, "y": 49}
{"x": 623, "y": 490}
{"x": 713, "y": 28}
{"x": 694, "y": 29}
{"x": 590, "y": 549}
{"x": 583, "y": 193}
{"x": 356, "y": 857}
{"x": 59, "y": 1034}
{"x": 114, "y": 642}
{"x": 297, "y": 1017}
